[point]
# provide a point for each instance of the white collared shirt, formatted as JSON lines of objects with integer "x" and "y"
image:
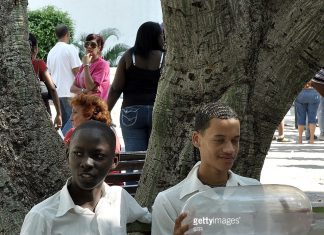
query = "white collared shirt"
{"x": 59, "y": 215}
{"x": 168, "y": 204}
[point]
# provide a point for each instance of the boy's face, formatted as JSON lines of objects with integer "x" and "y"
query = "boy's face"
{"x": 218, "y": 144}
{"x": 90, "y": 158}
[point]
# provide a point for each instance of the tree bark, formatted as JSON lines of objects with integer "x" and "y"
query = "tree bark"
{"x": 255, "y": 55}
{"x": 33, "y": 164}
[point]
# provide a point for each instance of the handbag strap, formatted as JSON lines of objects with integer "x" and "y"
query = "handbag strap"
{"x": 161, "y": 60}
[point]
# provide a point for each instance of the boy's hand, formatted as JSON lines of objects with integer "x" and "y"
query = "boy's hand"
{"x": 178, "y": 228}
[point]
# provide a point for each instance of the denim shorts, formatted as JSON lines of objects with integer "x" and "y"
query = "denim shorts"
{"x": 136, "y": 125}
{"x": 306, "y": 105}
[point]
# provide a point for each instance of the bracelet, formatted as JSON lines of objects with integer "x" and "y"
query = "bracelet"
{"x": 86, "y": 65}
{"x": 82, "y": 90}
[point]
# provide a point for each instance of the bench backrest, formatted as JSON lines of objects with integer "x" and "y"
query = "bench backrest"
{"x": 129, "y": 169}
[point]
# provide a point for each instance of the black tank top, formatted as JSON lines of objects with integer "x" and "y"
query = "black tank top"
{"x": 140, "y": 85}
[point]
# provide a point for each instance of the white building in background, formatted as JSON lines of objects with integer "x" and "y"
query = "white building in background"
{"x": 92, "y": 16}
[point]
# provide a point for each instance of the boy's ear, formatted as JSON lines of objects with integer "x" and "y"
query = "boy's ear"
{"x": 115, "y": 161}
{"x": 195, "y": 139}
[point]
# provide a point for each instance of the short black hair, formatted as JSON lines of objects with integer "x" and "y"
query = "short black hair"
{"x": 147, "y": 39}
{"x": 32, "y": 40}
{"x": 107, "y": 131}
{"x": 61, "y": 30}
{"x": 213, "y": 110}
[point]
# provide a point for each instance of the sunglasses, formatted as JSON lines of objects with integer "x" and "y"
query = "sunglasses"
{"x": 92, "y": 44}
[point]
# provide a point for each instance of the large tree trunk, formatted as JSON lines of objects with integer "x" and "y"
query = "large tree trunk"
{"x": 255, "y": 55}
{"x": 32, "y": 164}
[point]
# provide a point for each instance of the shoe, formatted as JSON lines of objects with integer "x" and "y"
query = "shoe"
{"x": 283, "y": 140}
{"x": 315, "y": 137}
{"x": 274, "y": 138}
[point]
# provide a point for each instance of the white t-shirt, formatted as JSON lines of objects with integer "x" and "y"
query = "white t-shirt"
{"x": 61, "y": 59}
{"x": 59, "y": 215}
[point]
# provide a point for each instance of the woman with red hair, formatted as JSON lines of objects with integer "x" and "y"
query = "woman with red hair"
{"x": 89, "y": 107}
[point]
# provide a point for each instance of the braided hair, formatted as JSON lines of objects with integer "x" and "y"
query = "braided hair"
{"x": 208, "y": 112}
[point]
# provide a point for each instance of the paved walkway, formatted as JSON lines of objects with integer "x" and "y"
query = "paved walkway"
{"x": 299, "y": 165}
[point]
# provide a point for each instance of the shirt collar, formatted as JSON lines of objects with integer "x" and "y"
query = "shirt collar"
{"x": 233, "y": 179}
{"x": 193, "y": 184}
{"x": 66, "y": 203}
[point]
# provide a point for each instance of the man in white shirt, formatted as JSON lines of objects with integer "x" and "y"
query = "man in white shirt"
{"x": 86, "y": 204}
{"x": 216, "y": 135}
{"x": 63, "y": 63}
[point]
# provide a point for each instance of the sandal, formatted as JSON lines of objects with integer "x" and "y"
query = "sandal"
{"x": 283, "y": 140}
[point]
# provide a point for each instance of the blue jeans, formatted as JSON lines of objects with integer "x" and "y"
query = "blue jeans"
{"x": 136, "y": 125}
{"x": 65, "y": 109}
{"x": 68, "y": 125}
{"x": 306, "y": 106}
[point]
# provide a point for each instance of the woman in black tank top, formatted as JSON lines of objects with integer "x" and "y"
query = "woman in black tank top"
{"x": 137, "y": 77}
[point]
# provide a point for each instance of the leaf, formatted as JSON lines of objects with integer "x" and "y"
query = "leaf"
{"x": 113, "y": 54}
{"x": 108, "y": 32}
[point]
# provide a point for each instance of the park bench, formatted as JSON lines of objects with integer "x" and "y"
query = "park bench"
{"x": 128, "y": 161}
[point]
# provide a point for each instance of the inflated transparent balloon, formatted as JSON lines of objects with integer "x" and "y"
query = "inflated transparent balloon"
{"x": 249, "y": 210}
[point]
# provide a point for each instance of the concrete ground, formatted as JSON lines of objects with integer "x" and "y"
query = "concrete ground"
{"x": 299, "y": 165}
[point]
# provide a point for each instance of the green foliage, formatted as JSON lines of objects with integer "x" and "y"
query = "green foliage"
{"x": 109, "y": 32}
{"x": 110, "y": 54}
{"x": 79, "y": 44}
{"x": 42, "y": 24}
{"x": 113, "y": 53}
